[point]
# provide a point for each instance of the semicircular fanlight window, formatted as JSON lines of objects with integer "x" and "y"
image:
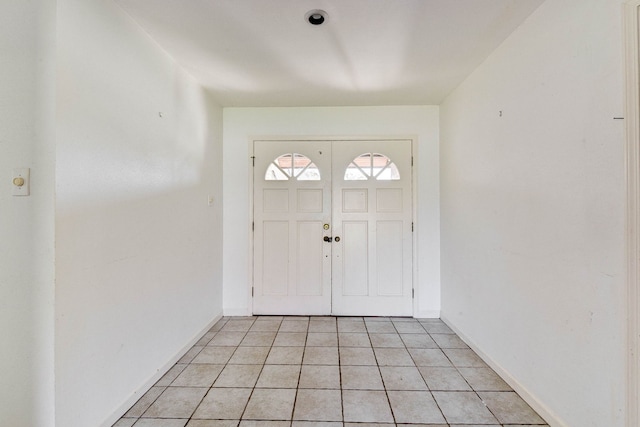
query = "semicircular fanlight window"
{"x": 371, "y": 166}
{"x": 292, "y": 166}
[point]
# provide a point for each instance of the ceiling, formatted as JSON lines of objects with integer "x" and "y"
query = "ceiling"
{"x": 263, "y": 53}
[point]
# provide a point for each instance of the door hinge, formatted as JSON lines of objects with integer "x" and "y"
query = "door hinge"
{"x": 413, "y": 293}
{"x": 411, "y": 160}
{"x": 253, "y": 226}
{"x": 252, "y": 291}
{"x": 253, "y": 161}
{"x": 412, "y": 227}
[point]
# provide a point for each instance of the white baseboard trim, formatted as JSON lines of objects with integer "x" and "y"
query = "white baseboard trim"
{"x": 137, "y": 394}
{"x": 428, "y": 314}
{"x": 243, "y": 311}
{"x": 547, "y": 414}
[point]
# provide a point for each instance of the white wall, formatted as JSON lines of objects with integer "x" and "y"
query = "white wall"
{"x": 241, "y": 124}
{"x": 138, "y": 250}
{"x": 27, "y": 138}
{"x": 533, "y": 270}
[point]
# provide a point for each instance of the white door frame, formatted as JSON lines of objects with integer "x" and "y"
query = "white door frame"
{"x": 414, "y": 201}
{"x": 632, "y": 121}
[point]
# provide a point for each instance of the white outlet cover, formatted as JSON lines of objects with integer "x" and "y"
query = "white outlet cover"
{"x": 22, "y": 190}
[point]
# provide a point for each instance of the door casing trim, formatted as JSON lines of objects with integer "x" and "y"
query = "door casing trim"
{"x": 632, "y": 161}
{"x": 313, "y": 138}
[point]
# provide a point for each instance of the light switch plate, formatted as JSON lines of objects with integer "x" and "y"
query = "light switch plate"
{"x": 20, "y": 190}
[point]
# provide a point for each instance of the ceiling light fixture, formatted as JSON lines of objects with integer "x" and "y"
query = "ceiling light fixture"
{"x": 316, "y": 17}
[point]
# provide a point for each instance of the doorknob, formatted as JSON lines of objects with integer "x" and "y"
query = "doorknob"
{"x": 337, "y": 239}
{"x": 328, "y": 239}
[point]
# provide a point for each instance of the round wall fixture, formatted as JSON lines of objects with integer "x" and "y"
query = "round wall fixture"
{"x": 316, "y": 17}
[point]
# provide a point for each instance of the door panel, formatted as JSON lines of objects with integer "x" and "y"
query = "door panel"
{"x": 358, "y": 193}
{"x": 292, "y": 263}
{"x": 372, "y": 261}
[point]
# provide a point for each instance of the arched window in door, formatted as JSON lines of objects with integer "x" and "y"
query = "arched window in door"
{"x": 372, "y": 166}
{"x": 292, "y": 166}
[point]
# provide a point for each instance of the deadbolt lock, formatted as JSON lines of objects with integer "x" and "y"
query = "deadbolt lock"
{"x": 326, "y": 226}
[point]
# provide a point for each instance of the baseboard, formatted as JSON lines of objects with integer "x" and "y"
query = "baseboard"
{"x": 428, "y": 314}
{"x": 243, "y": 311}
{"x": 122, "y": 409}
{"x": 548, "y": 415}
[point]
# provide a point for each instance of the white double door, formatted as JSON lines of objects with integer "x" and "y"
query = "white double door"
{"x": 332, "y": 228}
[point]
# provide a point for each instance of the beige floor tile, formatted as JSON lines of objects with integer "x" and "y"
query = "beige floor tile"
{"x": 375, "y": 425}
{"x": 258, "y": 339}
{"x": 198, "y": 376}
{"x": 386, "y": 340}
{"x": 171, "y": 375}
{"x": 214, "y": 355}
{"x": 266, "y": 326}
{"x": 153, "y": 422}
{"x": 433, "y": 425}
{"x": 206, "y": 338}
{"x": 249, "y": 356}
{"x": 223, "y": 404}
{"x": 483, "y": 425}
{"x": 418, "y": 341}
{"x": 318, "y": 405}
{"x": 484, "y": 379}
{"x": 299, "y": 372}
{"x": 361, "y": 378}
{"x": 290, "y": 339}
{"x": 351, "y": 325}
{"x": 270, "y": 404}
{"x": 437, "y": 328}
{"x": 323, "y": 324}
{"x": 285, "y": 356}
{"x": 227, "y": 339}
{"x": 322, "y": 339}
{"x": 176, "y": 402}
{"x": 261, "y": 423}
{"x": 357, "y": 356}
{"x": 316, "y": 376}
{"x": 213, "y": 423}
{"x": 294, "y": 326}
{"x": 125, "y": 422}
{"x": 238, "y": 376}
{"x": 279, "y": 376}
{"x": 218, "y": 325}
{"x": 366, "y": 406}
{"x": 376, "y": 327}
{"x": 349, "y": 339}
{"x": 509, "y": 408}
{"x": 463, "y": 358}
{"x": 462, "y": 407}
{"x": 448, "y": 341}
{"x": 393, "y": 357}
{"x": 402, "y": 378}
{"x": 429, "y": 357}
{"x": 190, "y": 355}
{"x": 409, "y": 327}
{"x": 443, "y": 379}
{"x": 320, "y": 356}
{"x": 237, "y": 326}
{"x": 415, "y": 407}
{"x": 316, "y": 424}
{"x": 144, "y": 402}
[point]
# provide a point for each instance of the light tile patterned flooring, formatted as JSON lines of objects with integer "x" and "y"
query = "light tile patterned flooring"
{"x": 330, "y": 372}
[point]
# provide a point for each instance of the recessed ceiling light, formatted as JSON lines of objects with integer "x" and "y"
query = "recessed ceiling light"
{"x": 316, "y": 17}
